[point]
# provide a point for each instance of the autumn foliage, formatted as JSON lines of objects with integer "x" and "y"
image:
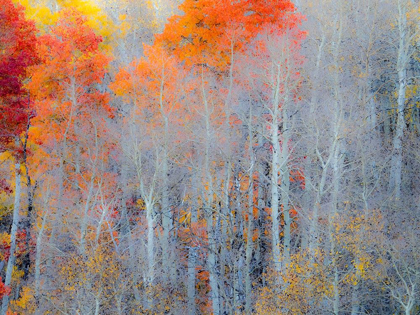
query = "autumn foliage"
{"x": 209, "y": 157}
{"x": 17, "y": 53}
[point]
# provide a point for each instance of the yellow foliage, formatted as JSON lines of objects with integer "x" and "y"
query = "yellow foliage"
{"x": 25, "y": 304}
{"x": 46, "y": 12}
{"x": 297, "y": 290}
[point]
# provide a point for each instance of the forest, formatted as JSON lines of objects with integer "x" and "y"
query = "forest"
{"x": 209, "y": 157}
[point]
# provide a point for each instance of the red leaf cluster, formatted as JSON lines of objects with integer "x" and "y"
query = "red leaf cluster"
{"x": 17, "y": 53}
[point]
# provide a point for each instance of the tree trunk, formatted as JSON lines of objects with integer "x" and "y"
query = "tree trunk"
{"x": 250, "y": 228}
{"x": 150, "y": 242}
{"x": 275, "y": 232}
{"x": 285, "y": 186}
{"x": 402, "y": 59}
{"x": 13, "y": 234}
{"x": 191, "y": 280}
{"x": 212, "y": 263}
{"x": 39, "y": 242}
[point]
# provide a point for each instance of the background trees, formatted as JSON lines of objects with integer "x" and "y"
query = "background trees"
{"x": 238, "y": 157}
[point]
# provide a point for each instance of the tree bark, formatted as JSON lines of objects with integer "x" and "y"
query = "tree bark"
{"x": 402, "y": 58}
{"x": 13, "y": 234}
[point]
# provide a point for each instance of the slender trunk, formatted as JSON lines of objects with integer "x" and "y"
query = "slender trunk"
{"x": 13, "y": 233}
{"x": 150, "y": 242}
{"x": 285, "y": 187}
{"x": 402, "y": 59}
{"x": 83, "y": 225}
{"x": 97, "y": 305}
{"x": 336, "y": 163}
{"x": 27, "y": 226}
{"x": 39, "y": 241}
{"x": 355, "y": 303}
{"x": 275, "y": 169}
{"x": 126, "y": 230}
{"x": 313, "y": 237}
{"x": 275, "y": 231}
{"x": 118, "y": 300}
{"x": 57, "y": 218}
{"x": 212, "y": 263}
{"x": 192, "y": 258}
{"x": 262, "y": 185}
{"x": 333, "y": 216}
{"x": 250, "y": 228}
{"x": 167, "y": 261}
{"x": 191, "y": 280}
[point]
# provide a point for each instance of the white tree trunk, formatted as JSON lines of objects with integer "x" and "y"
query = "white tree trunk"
{"x": 38, "y": 255}
{"x": 285, "y": 186}
{"x": 249, "y": 241}
{"x": 191, "y": 280}
{"x": 275, "y": 231}
{"x": 402, "y": 60}
{"x": 13, "y": 233}
{"x": 150, "y": 242}
{"x": 211, "y": 262}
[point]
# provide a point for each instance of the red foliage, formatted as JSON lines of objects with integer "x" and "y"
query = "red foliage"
{"x": 4, "y": 290}
{"x": 17, "y": 53}
{"x": 20, "y": 246}
{"x": 4, "y": 187}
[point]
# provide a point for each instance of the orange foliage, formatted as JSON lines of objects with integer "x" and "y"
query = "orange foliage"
{"x": 211, "y": 30}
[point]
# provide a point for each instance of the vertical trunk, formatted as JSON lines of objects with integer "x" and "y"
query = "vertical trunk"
{"x": 191, "y": 280}
{"x": 192, "y": 259}
{"x": 38, "y": 249}
{"x": 214, "y": 291}
{"x": 355, "y": 303}
{"x": 248, "y": 254}
{"x": 313, "y": 235}
{"x": 236, "y": 249}
{"x": 212, "y": 263}
{"x": 261, "y": 209}
{"x": 28, "y": 225}
{"x": 97, "y": 305}
{"x": 118, "y": 299}
{"x": 285, "y": 186}
{"x": 275, "y": 232}
{"x": 57, "y": 217}
{"x": 150, "y": 274}
{"x": 84, "y": 222}
{"x": 224, "y": 224}
{"x": 250, "y": 228}
{"x": 168, "y": 270}
{"x": 83, "y": 225}
{"x": 126, "y": 230}
{"x": 276, "y": 164}
{"x": 13, "y": 233}
{"x": 28, "y": 221}
{"x": 306, "y": 205}
{"x": 150, "y": 242}
{"x": 336, "y": 162}
{"x": 402, "y": 59}
{"x": 336, "y": 292}
{"x": 332, "y": 217}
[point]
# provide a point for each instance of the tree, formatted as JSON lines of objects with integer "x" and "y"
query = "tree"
{"x": 18, "y": 53}
{"x": 17, "y": 47}
{"x": 72, "y": 111}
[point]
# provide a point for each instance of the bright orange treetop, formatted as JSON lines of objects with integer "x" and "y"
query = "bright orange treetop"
{"x": 65, "y": 84}
{"x": 211, "y": 30}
